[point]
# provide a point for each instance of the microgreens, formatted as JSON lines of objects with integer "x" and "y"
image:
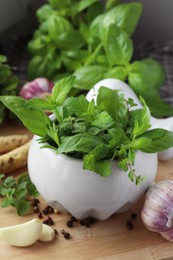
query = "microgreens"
{"x": 96, "y": 133}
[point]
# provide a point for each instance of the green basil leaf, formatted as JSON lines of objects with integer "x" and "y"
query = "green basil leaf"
{"x": 70, "y": 40}
{"x": 157, "y": 72}
{"x": 118, "y": 46}
{"x": 58, "y": 26}
{"x": 35, "y": 120}
{"x": 79, "y": 143}
{"x": 44, "y": 12}
{"x": 93, "y": 11}
{"x": 122, "y": 17}
{"x": 146, "y": 85}
{"x": 161, "y": 140}
{"x": 141, "y": 120}
{"x": 118, "y": 72}
{"x": 87, "y": 77}
{"x": 108, "y": 100}
{"x": 140, "y": 77}
{"x": 111, "y": 3}
{"x": 82, "y": 5}
{"x": 95, "y": 27}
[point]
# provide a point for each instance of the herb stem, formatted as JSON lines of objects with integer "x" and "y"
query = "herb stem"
{"x": 92, "y": 57}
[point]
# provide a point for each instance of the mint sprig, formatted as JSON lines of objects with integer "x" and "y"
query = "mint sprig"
{"x": 18, "y": 193}
{"x": 96, "y": 133}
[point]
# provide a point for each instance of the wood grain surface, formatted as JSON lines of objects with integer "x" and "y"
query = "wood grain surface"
{"x": 105, "y": 240}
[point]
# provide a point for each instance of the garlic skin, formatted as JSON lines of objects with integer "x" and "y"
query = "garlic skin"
{"x": 22, "y": 235}
{"x": 47, "y": 233}
{"x": 157, "y": 211}
{"x": 36, "y": 88}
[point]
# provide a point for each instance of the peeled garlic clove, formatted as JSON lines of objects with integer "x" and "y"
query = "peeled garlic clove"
{"x": 22, "y": 235}
{"x": 47, "y": 233}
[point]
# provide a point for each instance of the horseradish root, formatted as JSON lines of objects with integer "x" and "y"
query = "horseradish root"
{"x": 10, "y": 142}
{"x": 14, "y": 159}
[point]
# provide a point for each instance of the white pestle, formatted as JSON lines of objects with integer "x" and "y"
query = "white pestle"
{"x": 165, "y": 123}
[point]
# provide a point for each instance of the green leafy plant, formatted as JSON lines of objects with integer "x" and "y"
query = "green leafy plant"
{"x": 8, "y": 84}
{"x": 18, "y": 193}
{"x": 94, "y": 42}
{"x": 97, "y": 132}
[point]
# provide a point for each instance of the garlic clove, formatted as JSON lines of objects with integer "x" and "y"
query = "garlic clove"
{"x": 168, "y": 235}
{"x": 22, "y": 235}
{"x": 47, "y": 233}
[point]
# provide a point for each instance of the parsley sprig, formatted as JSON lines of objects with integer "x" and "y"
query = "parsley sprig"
{"x": 96, "y": 132}
{"x": 18, "y": 193}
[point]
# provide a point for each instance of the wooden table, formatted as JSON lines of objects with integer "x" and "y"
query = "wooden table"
{"x": 108, "y": 239}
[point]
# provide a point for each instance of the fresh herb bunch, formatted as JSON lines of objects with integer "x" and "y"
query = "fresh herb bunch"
{"x": 94, "y": 42}
{"x": 96, "y": 133}
{"x": 8, "y": 84}
{"x": 17, "y": 193}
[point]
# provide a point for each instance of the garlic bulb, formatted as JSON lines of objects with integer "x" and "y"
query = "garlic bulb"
{"x": 157, "y": 212}
{"x": 36, "y": 88}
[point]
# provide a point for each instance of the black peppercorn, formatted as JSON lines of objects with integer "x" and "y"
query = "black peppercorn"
{"x": 45, "y": 211}
{"x": 129, "y": 224}
{"x": 40, "y": 215}
{"x": 56, "y": 232}
{"x": 73, "y": 219}
{"x": 36, "y": 209}
{"x": 67, "y": 235}
{"x": 82, "y": 222}
{"x": 35, "y": 202}
{"x": 62, "y": 231}
{"x": 50, "y": 209}
{"x": 133, "y": 215}
{"x": 50, "y": 221}
{"x": 69, "y": 223}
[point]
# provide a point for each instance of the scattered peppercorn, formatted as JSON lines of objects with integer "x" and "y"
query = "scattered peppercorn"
{"x": 56, "y": 232}
{"x": 69, "y": 223}
{"x": 40, "y": 215}
{"x": 36, "y": 209}
{"x": 133, "y": 215}
{"x": 35, "y": 202}
{"x": 73, "y": 219}
{"x": 82, "y": 222}
{"x": 45, "y": 211}
{"x": 50, "y": 209}
{"x": 87, "y": 224}
{"x": 67, "y": 235}
{"x": 62, "y": 231}
{"x": 129, "y": 224}
{"x": 50, "y": 220}
{"x": 90, "y": 220}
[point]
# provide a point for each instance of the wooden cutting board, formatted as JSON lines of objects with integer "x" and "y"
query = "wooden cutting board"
{"x": 109, "y": 239}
